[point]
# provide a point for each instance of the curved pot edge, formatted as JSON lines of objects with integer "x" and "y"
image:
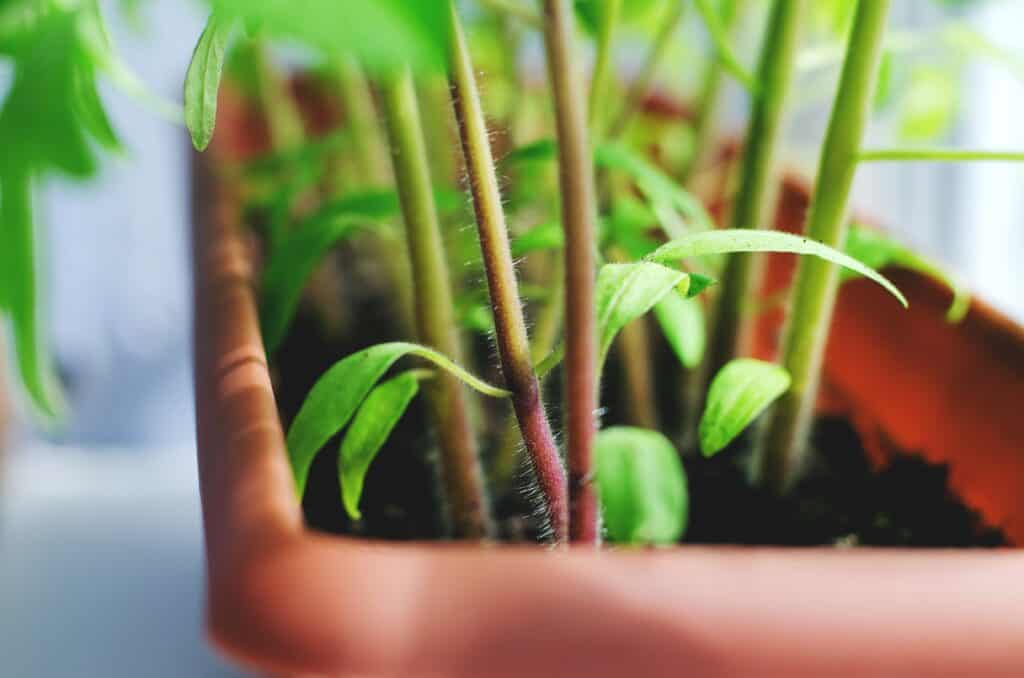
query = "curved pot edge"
{"x": 284, "y": 599}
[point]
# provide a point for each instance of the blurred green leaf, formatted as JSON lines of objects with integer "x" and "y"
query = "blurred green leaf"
{"x": 293, "y": 260}
{"x": 371, "y": 426}
{"x": 202, "y": 82}
{"x": 677, "y": 209}
{"x": 741, "y": 391}
{"x": 682, "y": 322}
{"x": 335, "y": 397}
{"x": 929, "y": 104}
{"x": 546, "y": 236}
{"x": 877, "y": 251}
{"x": 643, "y": 489}
{"x": 383, "y": 34}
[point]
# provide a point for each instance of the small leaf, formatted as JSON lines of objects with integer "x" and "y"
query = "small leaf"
{"x": 373, "y": 423}
{"x": 727, "y": 241}
{"x": 643, "y": 489}
{"x": 625, "y": 292}
{"x": 676, "y": 208}
{"x": 202, "y": 81}
{"x": 683, "y": 324}
{"x": 334, "y": 398}
{"x": 877, "y": 251}
{"x": 741, "y": 391}
{"x": 546, "y": 236}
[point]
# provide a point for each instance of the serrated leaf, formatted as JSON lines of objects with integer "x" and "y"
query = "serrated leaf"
{"x": 335, "y": 397}
{"x": 373, "y": 423}
{"x": 877, "y": 251}
{"x": 625, "y": 292}
{"x": 728, "y": 241}
{"x": 202, "y": 81}
{"x": 295, "y": 257}
{"x": 741, "y": 391}
{"x": 677, "y": 209}
{"x": 643, "y": 488}
{"x": 682, "y": 322}
{"x": 382, "y": 34}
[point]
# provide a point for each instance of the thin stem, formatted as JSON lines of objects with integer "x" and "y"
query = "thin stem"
{"x": 753, "y": 203}
{"x": 782, "y": 443}
{"x": 509, "y": 323}
{"x": 641, "y": 85}
{"x": 435, "y": 317}
{"x": 704, "y": 129}
{"x": 938, "y": 154}
{"x": 579, "y": 215}
{"x": 362, "y": 123}
{"x": 372, "y": 170}
{"x": 601, "y": 80}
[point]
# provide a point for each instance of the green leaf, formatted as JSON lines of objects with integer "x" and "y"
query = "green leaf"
{"x": 543, "y": 150}
{"x": 643, "y": 488}
{"x": 929, "y": 103}
{"x": 877, "y": 251}
{"x": 382, "y": 34}
{"x": 202, "y": 82}
{"x": 546, "y": 236}
{"x": 625, "y": 292}
{"x": 18, "y": 291}
{"x": 334, "y": 398}
{"x": 683, "y": 324}
{"x": 727, "y": 241}
{"x": 301, "y": 249}
{"x": 741, "y": 391}
{"x": 373, "y": 423}
{"x": 677, "y": 209}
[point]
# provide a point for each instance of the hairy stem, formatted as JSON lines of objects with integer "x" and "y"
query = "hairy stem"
{"x": 753, "y": 203}
{"x": 704, "y": 128}
{"x": 509, "y": 323}
{"x": 579, "y": 215}
{"x": 782, "y": 443}
{"x": 435, "y": 317}
{"x": 641, "y": 85}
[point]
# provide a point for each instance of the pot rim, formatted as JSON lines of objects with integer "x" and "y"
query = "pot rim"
{"x": 284, "y": 599}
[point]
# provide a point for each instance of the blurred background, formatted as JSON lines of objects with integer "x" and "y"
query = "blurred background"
{"x": 101, "y": 571}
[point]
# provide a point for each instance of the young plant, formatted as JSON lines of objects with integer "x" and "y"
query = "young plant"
{"x": 783, "y": 443}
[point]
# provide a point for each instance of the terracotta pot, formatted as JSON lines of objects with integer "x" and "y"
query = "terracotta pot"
{"x": 285, "y": 600}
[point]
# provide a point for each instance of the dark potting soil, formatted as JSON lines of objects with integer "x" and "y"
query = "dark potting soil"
{"x": 841, "y": 500}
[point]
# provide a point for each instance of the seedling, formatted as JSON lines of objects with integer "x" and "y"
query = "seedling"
{"x": 614, "y": 239}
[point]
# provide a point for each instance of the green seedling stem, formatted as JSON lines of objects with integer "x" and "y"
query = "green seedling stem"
{"x": 782, "y": 443}
{"x": 435, "y": 317}
{"x": 754, "y": 200}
